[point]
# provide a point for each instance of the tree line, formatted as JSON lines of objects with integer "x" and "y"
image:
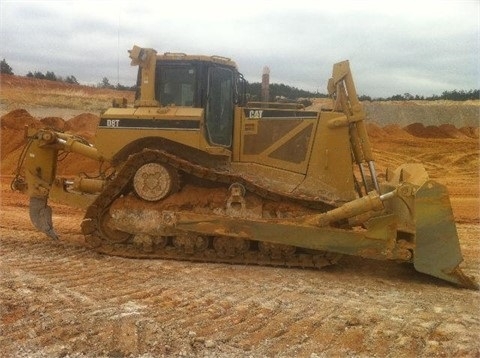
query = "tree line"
{"x": 278, "y": 92}
{"x": 453, "y": 95}
{"x": 283, "y": 91}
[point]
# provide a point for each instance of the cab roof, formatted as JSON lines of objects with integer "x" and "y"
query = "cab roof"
{"x": 179, "y": 56}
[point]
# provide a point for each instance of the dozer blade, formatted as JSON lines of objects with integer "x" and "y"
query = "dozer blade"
{"x": 437, "y": 247}
{"x": 41, "y": 216}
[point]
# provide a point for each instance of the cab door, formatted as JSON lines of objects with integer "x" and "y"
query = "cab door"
{"x": 219, "y": 108}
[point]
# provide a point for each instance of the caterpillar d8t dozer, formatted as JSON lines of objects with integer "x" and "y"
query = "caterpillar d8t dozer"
{"x": 193, "y": 171}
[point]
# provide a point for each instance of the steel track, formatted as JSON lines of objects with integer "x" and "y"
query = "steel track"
{"x": 114, "y": 242}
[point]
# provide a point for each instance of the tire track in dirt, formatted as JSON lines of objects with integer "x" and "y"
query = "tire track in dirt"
{"x": 74, "y": 300}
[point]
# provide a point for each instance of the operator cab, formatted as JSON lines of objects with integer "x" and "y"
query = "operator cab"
{"x": 212, "y": 83}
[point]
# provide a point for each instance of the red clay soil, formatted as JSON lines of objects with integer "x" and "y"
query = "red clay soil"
{"x": 40, "y": 85}
{"x": 85, "y": 122}
{"x": 13, "y": 126}
{"x": 441, "y": 131}
{"x": 472, "y": 132}
{"x": 419, "y": 130}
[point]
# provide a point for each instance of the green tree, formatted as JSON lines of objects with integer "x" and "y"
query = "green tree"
{"x": 50, "y": 76}
{"x": 364, "y": 98}
{"x": 39, "y": 75}
{"x": 121, "y": 87}
{"x": 105, "y": 83}
{"x": 72, "y": 80}
{"x": 5, "y": 68}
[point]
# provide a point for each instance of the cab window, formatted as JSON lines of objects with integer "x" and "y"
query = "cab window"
{"x": 176, "y": 86}
{"x": 219, "y": 110}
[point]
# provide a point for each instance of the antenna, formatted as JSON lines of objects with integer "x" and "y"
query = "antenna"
{"x": 118, "y": 50}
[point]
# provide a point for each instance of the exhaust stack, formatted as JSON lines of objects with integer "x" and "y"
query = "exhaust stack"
{"x": 266, "y": 84}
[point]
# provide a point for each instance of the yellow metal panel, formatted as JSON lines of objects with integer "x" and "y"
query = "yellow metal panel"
{"x": 279, "y": 143}
{"x": 119, "y": 112}
{"x": 111, "y": 141}
{"x": 188, "y": 112}
{"x": 237, "y": 133}
{"x": 121, "y": 126}
{"x": 330, "y": 168}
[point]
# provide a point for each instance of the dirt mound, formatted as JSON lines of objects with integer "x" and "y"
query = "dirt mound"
{"x": 419, "y": 130}
{"x": 12, "y": 138}
{"x": 394, "y": 130}
{"x": 53, "y": 122}
{"x": 17, "y": 119}
{"x": 390, "y": 131}
{"x": 375, "y": 131}
{"x": 85, "y": 122}
{"x": 13, "y": 125}
{"x": 451, "y": 131}
{"x": 472, "y": 132}
{"x": 442, "y": 131}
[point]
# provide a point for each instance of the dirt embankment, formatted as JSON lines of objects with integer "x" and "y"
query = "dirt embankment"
{"x": 437, "y": 113}
{"x": 426, "y": 113}
{"x": 54, "y": 98}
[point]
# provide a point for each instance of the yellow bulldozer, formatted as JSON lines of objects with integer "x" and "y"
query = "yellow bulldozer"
{"x": 194, "y": 171}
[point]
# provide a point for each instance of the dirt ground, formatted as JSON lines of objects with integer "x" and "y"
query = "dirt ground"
{"x": 60, "y": 299}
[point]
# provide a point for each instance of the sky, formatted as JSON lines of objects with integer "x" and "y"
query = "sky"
{"x": 418, "y": 47}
